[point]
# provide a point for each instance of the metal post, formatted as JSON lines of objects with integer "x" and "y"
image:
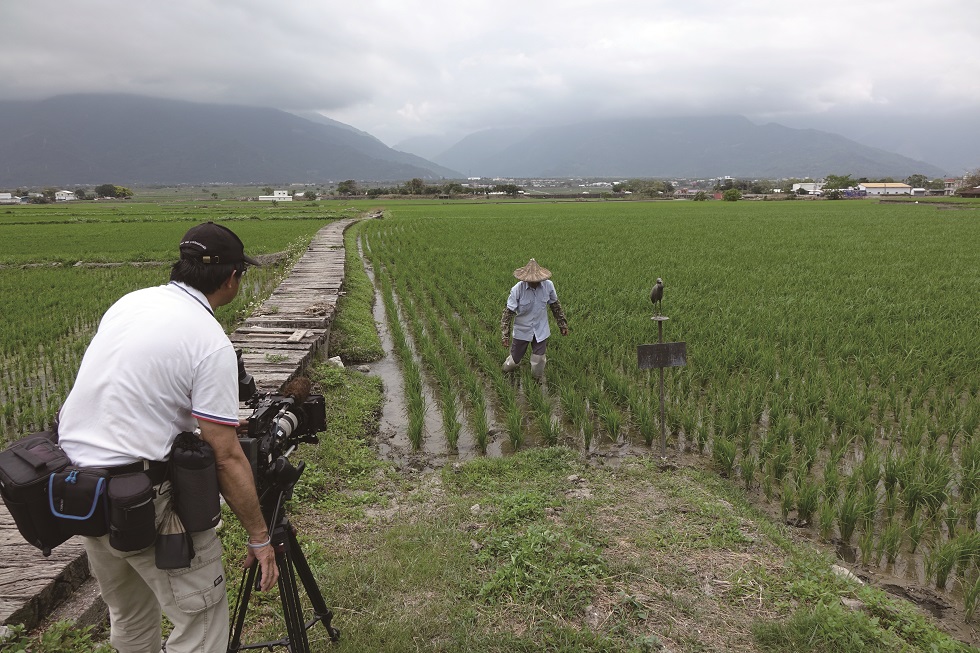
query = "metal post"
{"x": 661, "y": 355}
{"x": 663, "y": 426}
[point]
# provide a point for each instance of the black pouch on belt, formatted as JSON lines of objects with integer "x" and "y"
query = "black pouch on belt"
{"x": 194, "y": 477}
{"x": 25, "y": 469}
{"x": 77, "y": 500}
{"x": 132, "y": 518}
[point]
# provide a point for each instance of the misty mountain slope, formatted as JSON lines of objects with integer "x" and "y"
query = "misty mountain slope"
{"x": 131, "y": 140}
{"x": 677, "y": 147}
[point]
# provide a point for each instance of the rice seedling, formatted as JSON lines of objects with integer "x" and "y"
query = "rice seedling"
{"x": 787, "y": 499}
{"x": 951, "y": 518}
{"x": 826, "y": 516}
{"x": 870, "y": 469}
{"x": 768, "y": 486}
{"x": 970, "y": 595}
{"x": 748, "y": 466}
{"x": 868, "y": 508}
{"x": 916, "y": 529}
{"x": 941, "y": 560}
{"x": 847, "y": 516}
{"x": 515, "y": 425}
{"x": 866, "y": 544}
{"x": 890, "y": 541}
{"x": 831, "y": 482}
{"x": 478, "y": 419}
{"x": 807, "y": 499}
{"x": 723, "y": 455}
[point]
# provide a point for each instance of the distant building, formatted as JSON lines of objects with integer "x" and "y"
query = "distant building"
{"x": 811, "y": 188}
{"x": 64, "y": 196}
{"x": 951, "y": 185}
{"x": 277, "y": 196}
{"x": 970, "y": 192}
{"x": 9, "y": 198}
{"x": 886, "y": 189}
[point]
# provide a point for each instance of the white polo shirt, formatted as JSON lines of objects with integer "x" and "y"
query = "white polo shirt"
{"x": 158, "y": 363}
{"x": 531, "y": 306}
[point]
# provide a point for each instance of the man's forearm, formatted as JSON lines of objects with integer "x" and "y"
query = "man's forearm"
{"x": 238, "y": 488}
{"x": 235, "y": 478}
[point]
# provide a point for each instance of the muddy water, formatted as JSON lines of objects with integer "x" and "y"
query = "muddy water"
{"x": 393, "y": 442}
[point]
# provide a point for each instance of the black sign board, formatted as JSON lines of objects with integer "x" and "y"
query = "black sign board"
{"x": 661, "y": 354}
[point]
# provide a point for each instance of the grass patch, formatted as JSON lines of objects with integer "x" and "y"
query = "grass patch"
{"x": 354, "y": 336}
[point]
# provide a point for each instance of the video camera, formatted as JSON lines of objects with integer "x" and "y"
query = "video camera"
{"x": 278, "y": 424}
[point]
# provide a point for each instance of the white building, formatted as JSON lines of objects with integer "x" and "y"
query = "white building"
{"x": 9, "y": 198}
{"x": 811, "y": 188}
{"x": 277, "y": 196}
{"x": 885, "y": 189}
{"x": 64, "y": 196}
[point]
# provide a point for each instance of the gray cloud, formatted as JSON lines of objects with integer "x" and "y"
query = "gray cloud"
{"x": 403, "y": 69}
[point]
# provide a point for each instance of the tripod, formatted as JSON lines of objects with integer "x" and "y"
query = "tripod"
{"x": 291, "y": 562}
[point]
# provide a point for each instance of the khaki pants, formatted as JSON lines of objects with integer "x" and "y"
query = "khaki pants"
{"x": 194, "y": 599}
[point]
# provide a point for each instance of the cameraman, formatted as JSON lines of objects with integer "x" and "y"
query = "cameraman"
{"x": 160, "y": 364}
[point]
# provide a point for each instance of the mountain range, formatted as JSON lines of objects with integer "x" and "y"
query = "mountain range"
{"x": 694, "y": 147}
{"x": 132, "y": 140}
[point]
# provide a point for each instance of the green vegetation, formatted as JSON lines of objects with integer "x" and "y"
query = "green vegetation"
{"x": 806, "y": 375}
{"x": 354, "y": 332}
{"x": 62, "y": 266}
{"x": 541, "y": 551}
{"x": 815, "y": 368}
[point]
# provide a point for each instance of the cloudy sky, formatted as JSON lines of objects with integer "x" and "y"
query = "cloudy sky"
{"x": 399, "y": 68}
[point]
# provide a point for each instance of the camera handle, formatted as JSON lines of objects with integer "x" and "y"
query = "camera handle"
{"x": 291, "y": 562}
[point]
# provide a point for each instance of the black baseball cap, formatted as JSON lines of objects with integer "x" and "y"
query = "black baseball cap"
{"x": 213, "y": 243}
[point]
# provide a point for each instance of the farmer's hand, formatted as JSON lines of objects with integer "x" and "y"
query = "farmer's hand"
{"x": 564, "y": 330}
{"x": 506, "y": 341}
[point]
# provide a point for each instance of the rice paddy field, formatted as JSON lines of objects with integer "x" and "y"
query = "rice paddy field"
{"x": 62, "y": 266}
{"x": 833, "y": 348}
{"x": 833, "y": 351}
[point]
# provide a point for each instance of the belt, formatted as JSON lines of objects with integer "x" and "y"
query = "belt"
{"x": 155, "y": 469}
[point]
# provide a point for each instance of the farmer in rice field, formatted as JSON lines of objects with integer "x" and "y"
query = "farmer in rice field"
{"x": 527, "y": 311}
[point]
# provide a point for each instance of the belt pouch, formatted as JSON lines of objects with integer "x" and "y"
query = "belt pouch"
{"x": 25, "y": 467}
{"x": 77, "y": 498}
{"x": 132, "y": 524}
{"x": 194, "y": 477}
{"x": 174, "y": 547}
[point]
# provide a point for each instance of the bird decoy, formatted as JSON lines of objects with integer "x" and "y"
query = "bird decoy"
{"x": 657, "y": 294}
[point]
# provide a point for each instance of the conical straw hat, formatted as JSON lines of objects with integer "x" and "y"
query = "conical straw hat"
{"x": 532, "y": 272}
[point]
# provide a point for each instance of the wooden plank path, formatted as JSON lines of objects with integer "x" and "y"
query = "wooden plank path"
{"x": 278, "y": 341}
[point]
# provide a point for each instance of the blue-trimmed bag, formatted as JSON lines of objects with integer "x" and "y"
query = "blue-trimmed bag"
{"x": 25, "y": 472}
{"x": 77, "y": 499}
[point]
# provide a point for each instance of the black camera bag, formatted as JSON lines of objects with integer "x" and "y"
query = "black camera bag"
{"x": 194, "y": 481}
{"x": 77, "y": 499}
{"x": 25, "y": 469}
{"x": 132, "y": 516}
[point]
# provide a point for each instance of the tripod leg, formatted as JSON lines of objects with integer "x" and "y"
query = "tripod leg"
{"x": 291, "y": 605}
{"x": 320, "y": 609}
{"x": 244, "y": 593}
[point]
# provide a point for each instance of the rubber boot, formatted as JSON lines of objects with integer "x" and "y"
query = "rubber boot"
{"x": 537, "y": 366}
{"x": 509, "y": 364}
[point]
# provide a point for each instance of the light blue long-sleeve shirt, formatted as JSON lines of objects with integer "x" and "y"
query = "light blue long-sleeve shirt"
{"x": 531, "y": 306}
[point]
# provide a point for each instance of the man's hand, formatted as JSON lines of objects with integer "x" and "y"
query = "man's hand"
{"x": 506, "y": 341}
{"x": 268, "y": 569}
{"x": 564, "y": 330}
